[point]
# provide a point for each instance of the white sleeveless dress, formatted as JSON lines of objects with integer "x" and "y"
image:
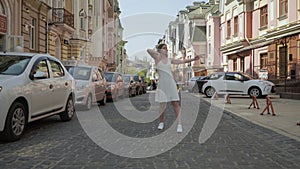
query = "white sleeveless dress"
{"x": 166, "y": 88}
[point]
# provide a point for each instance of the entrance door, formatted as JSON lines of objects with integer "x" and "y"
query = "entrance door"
{"x": 2, "y": 42}
{"x": 283, "y": 62}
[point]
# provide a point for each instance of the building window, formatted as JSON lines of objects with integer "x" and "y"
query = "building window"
{"x": 82, "y": 27}
{"x": 234, "y": 64}
{"x": 82, "y": 15}
{"x": 2, "y": 11}
{"x": 236, "y": 26}
{"x": 263, "y": 61}
{"x": 228, "y": 2}
{"x": 209, "y": 30}
{"x": 228, "y": 29}
{"x": 32, "y": 33}
{"x": 264, "y": 16}
{"x": 283, "y": 7}
{"x": 209, "y": 48}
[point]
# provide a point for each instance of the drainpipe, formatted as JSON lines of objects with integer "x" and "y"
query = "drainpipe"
{"x": 245, "y": 36}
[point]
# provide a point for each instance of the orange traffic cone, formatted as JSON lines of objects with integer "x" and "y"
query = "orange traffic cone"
{"x": 254, "y": 103}
{"x": 268, "y": 104}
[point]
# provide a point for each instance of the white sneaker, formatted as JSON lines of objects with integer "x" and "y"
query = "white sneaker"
{"x": 179, "y": 128}
{"x": 160, "y": 126}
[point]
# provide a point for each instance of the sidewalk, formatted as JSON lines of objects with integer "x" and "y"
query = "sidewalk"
{"x": 287, "y": 113}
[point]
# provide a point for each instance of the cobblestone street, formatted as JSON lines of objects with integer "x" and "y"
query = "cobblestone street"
{"x": 236, "y": 143}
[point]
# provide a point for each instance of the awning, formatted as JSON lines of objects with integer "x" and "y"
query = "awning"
{"x": 255, "y": 46}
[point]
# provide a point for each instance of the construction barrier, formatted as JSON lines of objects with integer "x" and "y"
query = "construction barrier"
{"x": 227, "y": 99}
{"x": 254, "y": 103}
{"x": 215, "y": 96}
{"x": 268, "y": 106}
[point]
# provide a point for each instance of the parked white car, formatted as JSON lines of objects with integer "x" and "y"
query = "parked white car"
{"x": 236, "y": 83}
{"x": 32, "y": 87}
{"x": 90, "y": 85}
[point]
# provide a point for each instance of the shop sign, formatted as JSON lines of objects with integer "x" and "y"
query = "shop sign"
{"x": 3, "y": 24}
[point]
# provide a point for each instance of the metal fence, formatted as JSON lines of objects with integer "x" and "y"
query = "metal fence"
{"x": 287, "y": 79}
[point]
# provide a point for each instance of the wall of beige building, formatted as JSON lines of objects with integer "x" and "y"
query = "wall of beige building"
{"x": 10, "y": 27}
{"x": 273, "y": 47}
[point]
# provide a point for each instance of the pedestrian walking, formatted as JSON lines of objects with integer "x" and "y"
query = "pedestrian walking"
{"x": 167, "y": 88}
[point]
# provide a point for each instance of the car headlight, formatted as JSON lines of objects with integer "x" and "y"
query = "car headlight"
{"x": 82, "y": 87}
{"x": 111, "y": 87}
{"x": 267, "y": 84}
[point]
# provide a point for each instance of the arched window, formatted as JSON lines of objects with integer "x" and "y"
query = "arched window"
{"x": 82, "y": 16}
{"x": 2, "y": 11}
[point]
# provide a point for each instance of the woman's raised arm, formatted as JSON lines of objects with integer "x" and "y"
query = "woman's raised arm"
{"x": 154, "y": 54}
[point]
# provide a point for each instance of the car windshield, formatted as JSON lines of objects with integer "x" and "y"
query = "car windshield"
{"x": 126, "y": 79}
{"x": 80, "y": 73}
{"x": 12, "y": 64}
{"x": 136, "y": 78}
{"x": 110, "y": 77}
{"x": 248, "y": 76}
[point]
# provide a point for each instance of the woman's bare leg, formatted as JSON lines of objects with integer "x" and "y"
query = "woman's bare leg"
{"x": 177, "y": 110}
{"x": 162, "y": 107}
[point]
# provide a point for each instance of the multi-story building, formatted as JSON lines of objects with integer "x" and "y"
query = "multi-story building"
{"x": 282, "y": 29}
{"x": 60, "y": 28}
{"x": 213, "y": 57}
{"x": 24, "y": 26}
{"x": 121, "y": 56}
{"x": 186, "y": 37}
{"x": 81, "y": 39}
{"x": 261, "y": 37}
{"x": 88, "y": 31}
{"x": 235, "y": 34}
{"x": 11, "y": 38}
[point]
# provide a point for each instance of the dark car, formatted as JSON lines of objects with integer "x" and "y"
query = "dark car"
{"x": 130, "y": 86}
{"x": 139, "y": 84}
{"x": 199, "y": 83}
{"x": 144, "y": 85}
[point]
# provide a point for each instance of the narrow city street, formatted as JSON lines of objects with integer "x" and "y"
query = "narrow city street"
{"x": 236, "y": 143}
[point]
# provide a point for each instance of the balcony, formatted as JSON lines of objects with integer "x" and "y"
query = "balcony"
{"x": 61, "y": 16}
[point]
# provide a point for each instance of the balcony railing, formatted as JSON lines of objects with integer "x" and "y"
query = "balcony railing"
{"x": 61, "y": 15}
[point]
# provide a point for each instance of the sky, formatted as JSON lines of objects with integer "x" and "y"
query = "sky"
{"x": 145, "y": 22}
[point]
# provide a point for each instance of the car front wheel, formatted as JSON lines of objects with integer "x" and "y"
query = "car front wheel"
{"x": 89, "y": 102}
{"x": 209, "y": 92}
{"x": 103, "y": 101}
{"x": 15, "y": 122}
{"x": 254, "y": 91}
{"x": 69, "y": 111}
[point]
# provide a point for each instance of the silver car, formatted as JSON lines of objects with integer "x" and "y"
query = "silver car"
{"x": 90, "y": 85}
{"x": 32, "y": 87}
{"x": 236, "y": 83}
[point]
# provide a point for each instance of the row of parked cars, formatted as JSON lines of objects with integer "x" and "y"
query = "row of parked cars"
{"x": 35, "y": 86}
{"x": 233, "y": 83}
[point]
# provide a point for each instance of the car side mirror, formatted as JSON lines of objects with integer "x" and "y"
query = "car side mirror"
{"x": 38, "y": 75}
{"x": 31, "y": 75}
{"x": 94, "y": 78}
